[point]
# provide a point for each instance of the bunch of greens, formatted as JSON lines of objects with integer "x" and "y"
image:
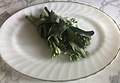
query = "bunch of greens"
{"x": 62, "y": 34}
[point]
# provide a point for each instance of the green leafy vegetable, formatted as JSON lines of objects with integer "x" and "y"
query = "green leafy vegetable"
{"x": 62, "y": 34}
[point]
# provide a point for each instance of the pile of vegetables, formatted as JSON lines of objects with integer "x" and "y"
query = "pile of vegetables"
{"x": 62, "y": 34}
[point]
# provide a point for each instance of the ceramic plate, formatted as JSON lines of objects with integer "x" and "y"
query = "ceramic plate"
{"x": 23, "y": 49}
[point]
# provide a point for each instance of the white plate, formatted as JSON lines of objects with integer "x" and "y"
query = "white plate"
{"x": 23, "y": 50}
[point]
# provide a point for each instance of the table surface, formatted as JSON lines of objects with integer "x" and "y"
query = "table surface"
{"x": 111, "y": 74}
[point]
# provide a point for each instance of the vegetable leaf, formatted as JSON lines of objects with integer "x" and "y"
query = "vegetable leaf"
{"x": 62, "y": 34}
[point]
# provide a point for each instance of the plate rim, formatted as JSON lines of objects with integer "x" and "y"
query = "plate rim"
{"x": 68, "y": 79}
